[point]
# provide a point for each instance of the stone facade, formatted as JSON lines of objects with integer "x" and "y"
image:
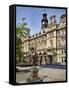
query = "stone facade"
{"x": 49, "y": 44}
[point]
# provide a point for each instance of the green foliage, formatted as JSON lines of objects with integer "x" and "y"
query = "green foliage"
{"x": 21, "y": 31}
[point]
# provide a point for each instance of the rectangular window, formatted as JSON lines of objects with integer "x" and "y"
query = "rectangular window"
{"x": 62, "y": 50}
{"x": 51, "y": 34}
{"x": 48, "y": 35}
{"x": 62, "y": 59}
{"x": 58, "y": 33}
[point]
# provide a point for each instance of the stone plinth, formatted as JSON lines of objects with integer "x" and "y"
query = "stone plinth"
{"x": 34, "y": 72}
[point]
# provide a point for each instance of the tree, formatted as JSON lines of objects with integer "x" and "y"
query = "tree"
{"x": 21, "y": 31}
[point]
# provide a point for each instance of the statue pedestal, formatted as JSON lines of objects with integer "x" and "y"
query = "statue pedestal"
{"x": 34, "y": 72}
{"x": 34, "y": 75}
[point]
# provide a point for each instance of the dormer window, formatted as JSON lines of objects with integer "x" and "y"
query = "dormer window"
{"x": 43, "y": 31}
{"x": 39, "y": 33}
{"x": 33, "y": 35}
{"x": 36, "y": 34}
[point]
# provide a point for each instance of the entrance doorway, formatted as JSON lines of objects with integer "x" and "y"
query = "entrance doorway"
{"x": 40, "y": 55}
{"x": 50, "y": 59}
{"x": 40, "y": 60}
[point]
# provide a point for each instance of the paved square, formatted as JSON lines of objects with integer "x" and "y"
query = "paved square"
{"x": 51, "y": 73}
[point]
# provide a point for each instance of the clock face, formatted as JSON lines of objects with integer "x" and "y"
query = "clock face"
{"x": 43, "y": 22}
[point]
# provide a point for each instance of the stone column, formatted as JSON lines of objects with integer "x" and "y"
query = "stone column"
{"x": 43, "y": 60}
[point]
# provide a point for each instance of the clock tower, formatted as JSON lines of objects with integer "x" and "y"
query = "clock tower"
{"x": 44, "y": 22}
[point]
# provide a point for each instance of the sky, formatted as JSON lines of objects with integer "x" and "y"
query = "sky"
{"x": 34, "y": 16}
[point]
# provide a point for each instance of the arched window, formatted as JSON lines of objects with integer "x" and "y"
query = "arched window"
{"x": 40, "y": 53}
{"x": 44, "y": 53}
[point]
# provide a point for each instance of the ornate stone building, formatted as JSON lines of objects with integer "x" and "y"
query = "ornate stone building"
{"x": 49, "y": 44}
